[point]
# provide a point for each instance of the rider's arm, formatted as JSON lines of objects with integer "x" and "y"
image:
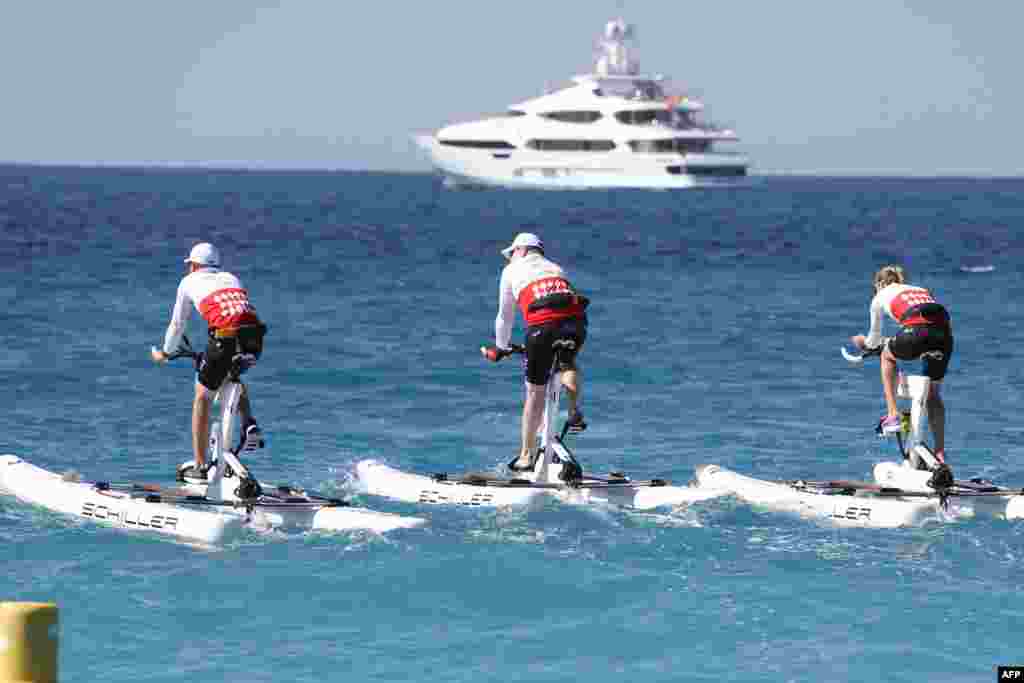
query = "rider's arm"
{"x": 179, "y": 320}
{"x": 506, "y": 312}
{"x": 874, "y": 338}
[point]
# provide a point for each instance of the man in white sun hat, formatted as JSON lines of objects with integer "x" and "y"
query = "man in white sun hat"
{"x": 553, "y": 311}
{"x": 233, "y": 327}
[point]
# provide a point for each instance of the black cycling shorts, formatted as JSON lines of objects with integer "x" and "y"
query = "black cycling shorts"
{"x": 215, "y": 363}
{"x": 541, "y": 340}
{"x": 933, "y": 344}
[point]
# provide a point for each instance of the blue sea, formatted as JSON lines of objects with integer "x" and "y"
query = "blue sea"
{"x": 715, "y": 327}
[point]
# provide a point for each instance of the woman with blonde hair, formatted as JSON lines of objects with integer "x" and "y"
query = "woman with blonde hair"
{"x": 925, "y": 333}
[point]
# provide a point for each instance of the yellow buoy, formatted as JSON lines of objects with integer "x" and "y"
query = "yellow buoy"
{"x": 28, "y": 642}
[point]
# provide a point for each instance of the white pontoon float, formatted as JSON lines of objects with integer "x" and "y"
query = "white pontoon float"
{"x": 918, "y": 490}
{"x": 185, "y": 512}
{"x": 844, "y": 503}
{"x": 555, "y": 473}
{"x": 207, "y": 512}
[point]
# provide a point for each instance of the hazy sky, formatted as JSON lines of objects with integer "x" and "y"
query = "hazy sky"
{"x": 871, "y": 86}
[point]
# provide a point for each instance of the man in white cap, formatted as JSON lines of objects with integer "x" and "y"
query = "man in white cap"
{"x": 233, "y": 328}
{"x": 553, "y": 311}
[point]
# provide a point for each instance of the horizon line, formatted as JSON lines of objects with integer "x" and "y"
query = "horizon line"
{"x": 250, "y": 167}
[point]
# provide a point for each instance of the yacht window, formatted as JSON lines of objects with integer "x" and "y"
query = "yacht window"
{"x": 643, "y": 117}
{"x": 669, "y": 145}
{"x": 633, "y": 89}
{"x": 515, "y": 112}
{"x": 478, "y": 144}
{"x": 683, "y": 119}
{"x": 571, "y": 145}
{"x": 648, "y": 90}
{"x": 573, "y": 116}
{"x": 716, "y": 170}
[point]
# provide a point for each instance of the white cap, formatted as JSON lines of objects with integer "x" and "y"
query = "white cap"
{"x": 205, "y": 254}
{"x": 523, "y": 239}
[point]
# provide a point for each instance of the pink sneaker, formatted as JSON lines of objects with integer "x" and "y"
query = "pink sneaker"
{"x": 890, "y": 424}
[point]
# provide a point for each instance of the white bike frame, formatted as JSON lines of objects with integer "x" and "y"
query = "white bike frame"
{"x": 916, "y": 389}
{"x": 223, "y": 485}
{"x": 229, "y": 473}
{"x": 553, "y": 455}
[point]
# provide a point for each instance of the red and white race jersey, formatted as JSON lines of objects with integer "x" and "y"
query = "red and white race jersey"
{"x": 217, "y": 295}
{"x": 895, "y": 300}
{"x": 527, "y": 280}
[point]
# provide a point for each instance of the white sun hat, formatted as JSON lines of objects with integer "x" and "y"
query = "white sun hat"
{"x": 523, "y": 239}
{"x": 205, "y": 254}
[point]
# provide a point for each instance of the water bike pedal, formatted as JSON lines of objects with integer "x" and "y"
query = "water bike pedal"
{"x": 571, "y": 472}
{"x": 890, "y": 427}
{"x": 188, "y": 473}
{"x": 249, "y": 489}
{"x": 252, "y": 440}
{"x": 513, "y": 467}
{"x": 576, "y": 424}
{"x": 942, "y": 477}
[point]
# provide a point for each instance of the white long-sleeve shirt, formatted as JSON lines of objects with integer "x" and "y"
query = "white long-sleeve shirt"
{"x": 524, "y": 281}
{"x": 217, "y": 295}
{"x": 893, "y": 300}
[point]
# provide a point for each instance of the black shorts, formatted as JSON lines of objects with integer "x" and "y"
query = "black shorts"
{"x": 569, "y": 335}
{"x": 933, "y": 344}
{"x": 215, "y": 363}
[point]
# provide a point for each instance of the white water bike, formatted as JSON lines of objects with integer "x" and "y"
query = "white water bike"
{"x": 227, "y": 479}
{"x": 554, "y": 472}
{"x": 908, "y": 493}
{"x": 208, "y": 512}
{"x": 920, "y": 471}
{"x": 913, "y": 448}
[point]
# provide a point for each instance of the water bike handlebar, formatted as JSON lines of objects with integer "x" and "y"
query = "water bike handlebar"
{"x": 183, "y": 351}
{"x": 858, "y": 358}
{"x": 494, "y": 354}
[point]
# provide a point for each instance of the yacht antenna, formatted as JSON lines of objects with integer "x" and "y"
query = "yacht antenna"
{"x": 615, "y": 50}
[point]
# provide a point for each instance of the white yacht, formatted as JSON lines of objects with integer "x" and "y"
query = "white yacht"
{"x": 614, "y": 128}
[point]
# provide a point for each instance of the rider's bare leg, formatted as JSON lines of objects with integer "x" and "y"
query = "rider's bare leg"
{"x": 571, "y": 382}
{"x": 888, "y": 365}
{"x": 937, "y": 417}
{"x": 247, "y": 427}
{"x": 245, "y": 412}
{"x": 201, "y": 423}
{"x": 245, "y": 408}
{"x": 533, "y": 411}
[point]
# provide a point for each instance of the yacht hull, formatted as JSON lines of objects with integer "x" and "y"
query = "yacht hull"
{"x": 523, "y": 169}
